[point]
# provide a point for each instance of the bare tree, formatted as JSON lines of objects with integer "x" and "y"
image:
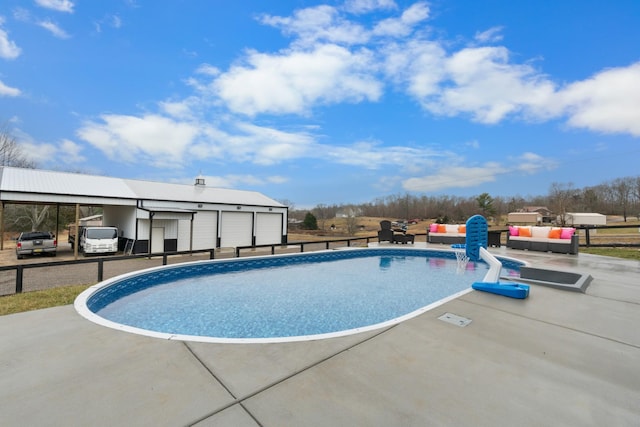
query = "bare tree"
{"x": 636, "y": 194}
{"x": 622, "y": 189}
{"x": 32, "y": 216}
{"x": 562, "y": 197}
{"x": 11, "y": 153}
{"x": 321, "y": 212}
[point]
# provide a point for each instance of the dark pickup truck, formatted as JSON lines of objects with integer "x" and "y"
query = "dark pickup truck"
{"x": 36, "y": 242}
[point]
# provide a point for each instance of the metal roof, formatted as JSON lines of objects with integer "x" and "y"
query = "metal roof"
{"x": 62, "y": 183}
{"x": 151, "y": 190}
{"x": 55, "y": 184}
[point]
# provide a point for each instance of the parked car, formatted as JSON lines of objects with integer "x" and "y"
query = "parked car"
{"x": 36, "y": 242}
{"x": 95, "y": 240}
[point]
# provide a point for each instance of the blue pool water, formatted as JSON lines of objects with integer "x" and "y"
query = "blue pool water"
{"x": 284, "y": 296}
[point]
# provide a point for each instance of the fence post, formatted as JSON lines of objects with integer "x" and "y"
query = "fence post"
{"x": 586, "y": 234}
{"x": 100, "y": 269}
{"x": 212, "y": 253}
{"x": 19, "y": 280}
{"x": 164, "y": 258}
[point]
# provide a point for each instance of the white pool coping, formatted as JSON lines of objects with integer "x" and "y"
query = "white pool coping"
{"x": 80, "y": 305}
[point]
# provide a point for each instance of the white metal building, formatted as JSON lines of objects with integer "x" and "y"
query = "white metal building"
{"x": 156, "y": 217}
{"x": 585, "y": 218}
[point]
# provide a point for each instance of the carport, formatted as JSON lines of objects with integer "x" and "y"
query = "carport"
{"x": 153, "y": 216}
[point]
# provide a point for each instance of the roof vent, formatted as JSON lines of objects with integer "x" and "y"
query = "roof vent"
{"x": 200, "y": 181}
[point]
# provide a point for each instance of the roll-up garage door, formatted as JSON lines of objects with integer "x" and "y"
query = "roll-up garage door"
{"x": 268, "y": 228}
{"x": 236, "y": 229}
{"x": 205, "y": 230}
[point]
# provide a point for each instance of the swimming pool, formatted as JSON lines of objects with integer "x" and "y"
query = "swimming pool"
{"x": 284, "y": 297}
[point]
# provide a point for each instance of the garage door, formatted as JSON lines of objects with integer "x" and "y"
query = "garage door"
{"x": 236, "y": 229}
{"x": 268, "y": 228}
{"x": 205, "y": 230}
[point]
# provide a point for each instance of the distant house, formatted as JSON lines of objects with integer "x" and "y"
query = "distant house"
{"x": 155, "y": 216}
{"x": 586, "y": 218}
{"x": 524, "y": 218}
{"x": 546, "y": 216}
{"x": 349, "y": 213}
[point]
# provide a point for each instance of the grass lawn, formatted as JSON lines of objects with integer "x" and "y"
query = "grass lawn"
{"x": 36, "y": 300}
{"x": 627, "y": 253}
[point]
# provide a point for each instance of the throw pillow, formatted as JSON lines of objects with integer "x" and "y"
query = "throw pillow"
{"x": 555, "y": 233}
{"x": 525, "y": 231}
{"x": 567, "y": 233}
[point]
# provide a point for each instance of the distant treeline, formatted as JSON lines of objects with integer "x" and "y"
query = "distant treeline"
{"x": 620, "y": 196}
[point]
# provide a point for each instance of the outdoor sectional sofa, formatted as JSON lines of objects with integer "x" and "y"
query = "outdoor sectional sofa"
{"x": 544, "y": 239}
{"x": 446, "y": 233}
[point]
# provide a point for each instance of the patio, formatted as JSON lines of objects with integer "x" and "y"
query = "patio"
{"x": 556, "y": 358}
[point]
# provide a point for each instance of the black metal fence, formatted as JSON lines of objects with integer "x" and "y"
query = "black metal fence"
{"x": 95, "y": 269}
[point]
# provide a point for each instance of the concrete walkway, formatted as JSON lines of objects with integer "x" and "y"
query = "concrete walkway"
{"x": 557, "y": 358}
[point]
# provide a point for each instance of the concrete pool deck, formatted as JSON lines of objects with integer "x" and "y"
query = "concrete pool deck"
{"x": 556, "y": 358}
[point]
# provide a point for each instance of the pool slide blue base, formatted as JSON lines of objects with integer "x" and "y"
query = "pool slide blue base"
{"x": 476, "y": 248}
{"x": 512, "y": 290}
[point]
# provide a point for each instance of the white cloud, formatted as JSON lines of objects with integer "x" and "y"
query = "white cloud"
{"x": 178, "y": 109}
{"x": 453, "y": 177}
{"x": 531, "y": 163}
{"x": 69, "y": 152}
{"x": 366, "y": 6}
{"x": 8, "y": 91}
{"x": 418, "y": 64}
{"x": 8, "y": 48}
{"x": 148, "y": 139}
{"x": 607, "y": 102}
{"x": 491, "y": 35}
{"x": 488, "y": 87}
{"x": 113, "y": 21}
{"x": 377, "y": 156}
{"x": 459, "y": 176}
{"x": 54, "y": 29}
{"x": 292, "y": 83}
{"x": 208, "y": 70}
{"x": 404, "y": 25}
{"x": 318, "y": 24}
{"x": 247, "y": 142}
{"x": 57, "y": 5}
{"x": 39, "y": 153}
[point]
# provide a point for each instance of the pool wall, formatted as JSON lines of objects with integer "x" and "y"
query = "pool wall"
{"x": 96, "y": 297}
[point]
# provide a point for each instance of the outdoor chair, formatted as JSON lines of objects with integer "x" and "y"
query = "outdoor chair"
{"x": 386, "y": 233}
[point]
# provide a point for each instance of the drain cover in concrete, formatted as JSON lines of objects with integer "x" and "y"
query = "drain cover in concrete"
{"x": 454, "y": 319}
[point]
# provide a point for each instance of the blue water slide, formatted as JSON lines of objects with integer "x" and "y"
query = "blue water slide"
{"x": 476, "y": 249}
{"x": 477, "y": 236}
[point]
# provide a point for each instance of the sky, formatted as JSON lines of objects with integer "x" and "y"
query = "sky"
{"x": 328, "y": 102}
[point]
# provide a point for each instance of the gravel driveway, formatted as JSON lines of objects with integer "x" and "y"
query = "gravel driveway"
{"x": 66, "y": 273}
